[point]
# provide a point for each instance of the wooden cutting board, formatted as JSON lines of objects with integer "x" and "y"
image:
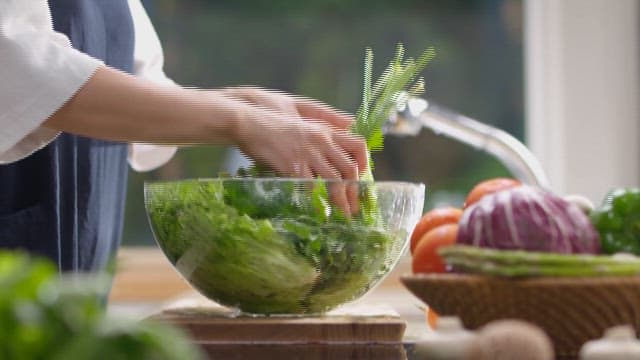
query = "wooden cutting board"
{"x": 365, "y": 331}
{"x": 219, "y": 325}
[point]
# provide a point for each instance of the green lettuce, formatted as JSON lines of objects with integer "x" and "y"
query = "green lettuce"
{"x": 287, "y": 256}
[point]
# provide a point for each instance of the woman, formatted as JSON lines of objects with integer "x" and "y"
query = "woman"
{"x": 69, "y": 106}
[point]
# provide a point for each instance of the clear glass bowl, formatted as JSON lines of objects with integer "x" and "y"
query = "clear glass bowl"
{"x": 283, "y": 246}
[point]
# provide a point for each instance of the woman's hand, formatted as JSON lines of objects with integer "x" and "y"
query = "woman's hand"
{"x": 304, "y": 139}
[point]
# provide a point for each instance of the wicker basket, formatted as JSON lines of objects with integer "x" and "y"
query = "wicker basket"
{"x": 571, "y": 310}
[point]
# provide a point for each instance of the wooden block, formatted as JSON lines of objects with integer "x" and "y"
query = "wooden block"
{"x": 306, "y": 351}
{"x": 216, "y": 325}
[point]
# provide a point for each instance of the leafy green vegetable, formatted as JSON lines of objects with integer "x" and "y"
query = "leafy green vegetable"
{"x": 288, "y": 255}
{"x": 399, "y": 78}
{"x": 223, "y": 251}
{"x": 618, "y": 221}
{"x": 517, "y": 263}
{"x": 45, "y": 317}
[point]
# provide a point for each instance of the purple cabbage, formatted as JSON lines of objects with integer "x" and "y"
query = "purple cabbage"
{"x": 528, "y": 218}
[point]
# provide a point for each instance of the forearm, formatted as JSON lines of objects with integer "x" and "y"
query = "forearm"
{"x": 116, "y": 106}
{"x": 295, "y": 137}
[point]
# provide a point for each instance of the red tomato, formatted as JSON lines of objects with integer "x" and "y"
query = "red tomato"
{"x": 489, "y": 187}
{"x": 433, "y": 219}
{"x": 425, "y": 257}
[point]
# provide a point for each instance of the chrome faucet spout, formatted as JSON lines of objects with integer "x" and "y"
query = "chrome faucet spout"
{"x": 413, "y": 114}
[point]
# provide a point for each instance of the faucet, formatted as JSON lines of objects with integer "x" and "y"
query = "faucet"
{"x": 413, "y": 113}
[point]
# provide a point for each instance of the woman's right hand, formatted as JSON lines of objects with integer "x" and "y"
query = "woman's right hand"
{"x": 318, "y": 142}
{"x": 301, "y": 147}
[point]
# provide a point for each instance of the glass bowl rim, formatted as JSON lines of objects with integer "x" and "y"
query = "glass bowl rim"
{"x": 289, "y": 180}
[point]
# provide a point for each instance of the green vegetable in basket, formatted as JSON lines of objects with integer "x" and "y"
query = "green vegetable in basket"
{"x": 618, "y": 221}
{"x": 518, "y": 263}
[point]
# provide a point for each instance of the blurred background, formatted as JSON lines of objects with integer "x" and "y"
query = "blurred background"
{"x": 316, "y": 48}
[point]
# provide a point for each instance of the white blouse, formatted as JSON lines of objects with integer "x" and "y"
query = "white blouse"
{"x": 40, "y": 71}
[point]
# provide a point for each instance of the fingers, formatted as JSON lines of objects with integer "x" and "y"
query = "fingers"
{"x": 338, "y": 197}
{"x": 302, "y": 170}
{"x": 347, "y": 153}
{"x": 307, "y": 148}
{"x": 341, "y": 194}
{"x": 322, "y": 167}
{"x": 301, "y": 148}
{"x": 352, "y": 197}
{"x": 312, "y": 109}
{"x": 344, "y": 194}
{"x": 343, "y": 162}
{"x": 356, "y": 148}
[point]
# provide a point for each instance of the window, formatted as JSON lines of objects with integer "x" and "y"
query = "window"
{"x": 583, "y": 72}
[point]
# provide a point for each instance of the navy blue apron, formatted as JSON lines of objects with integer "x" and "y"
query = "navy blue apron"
{"x": 66, "y": 201}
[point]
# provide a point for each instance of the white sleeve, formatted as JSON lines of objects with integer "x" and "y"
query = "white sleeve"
{"x": 148, "y": 63}
{"x": 39, "y": 72}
